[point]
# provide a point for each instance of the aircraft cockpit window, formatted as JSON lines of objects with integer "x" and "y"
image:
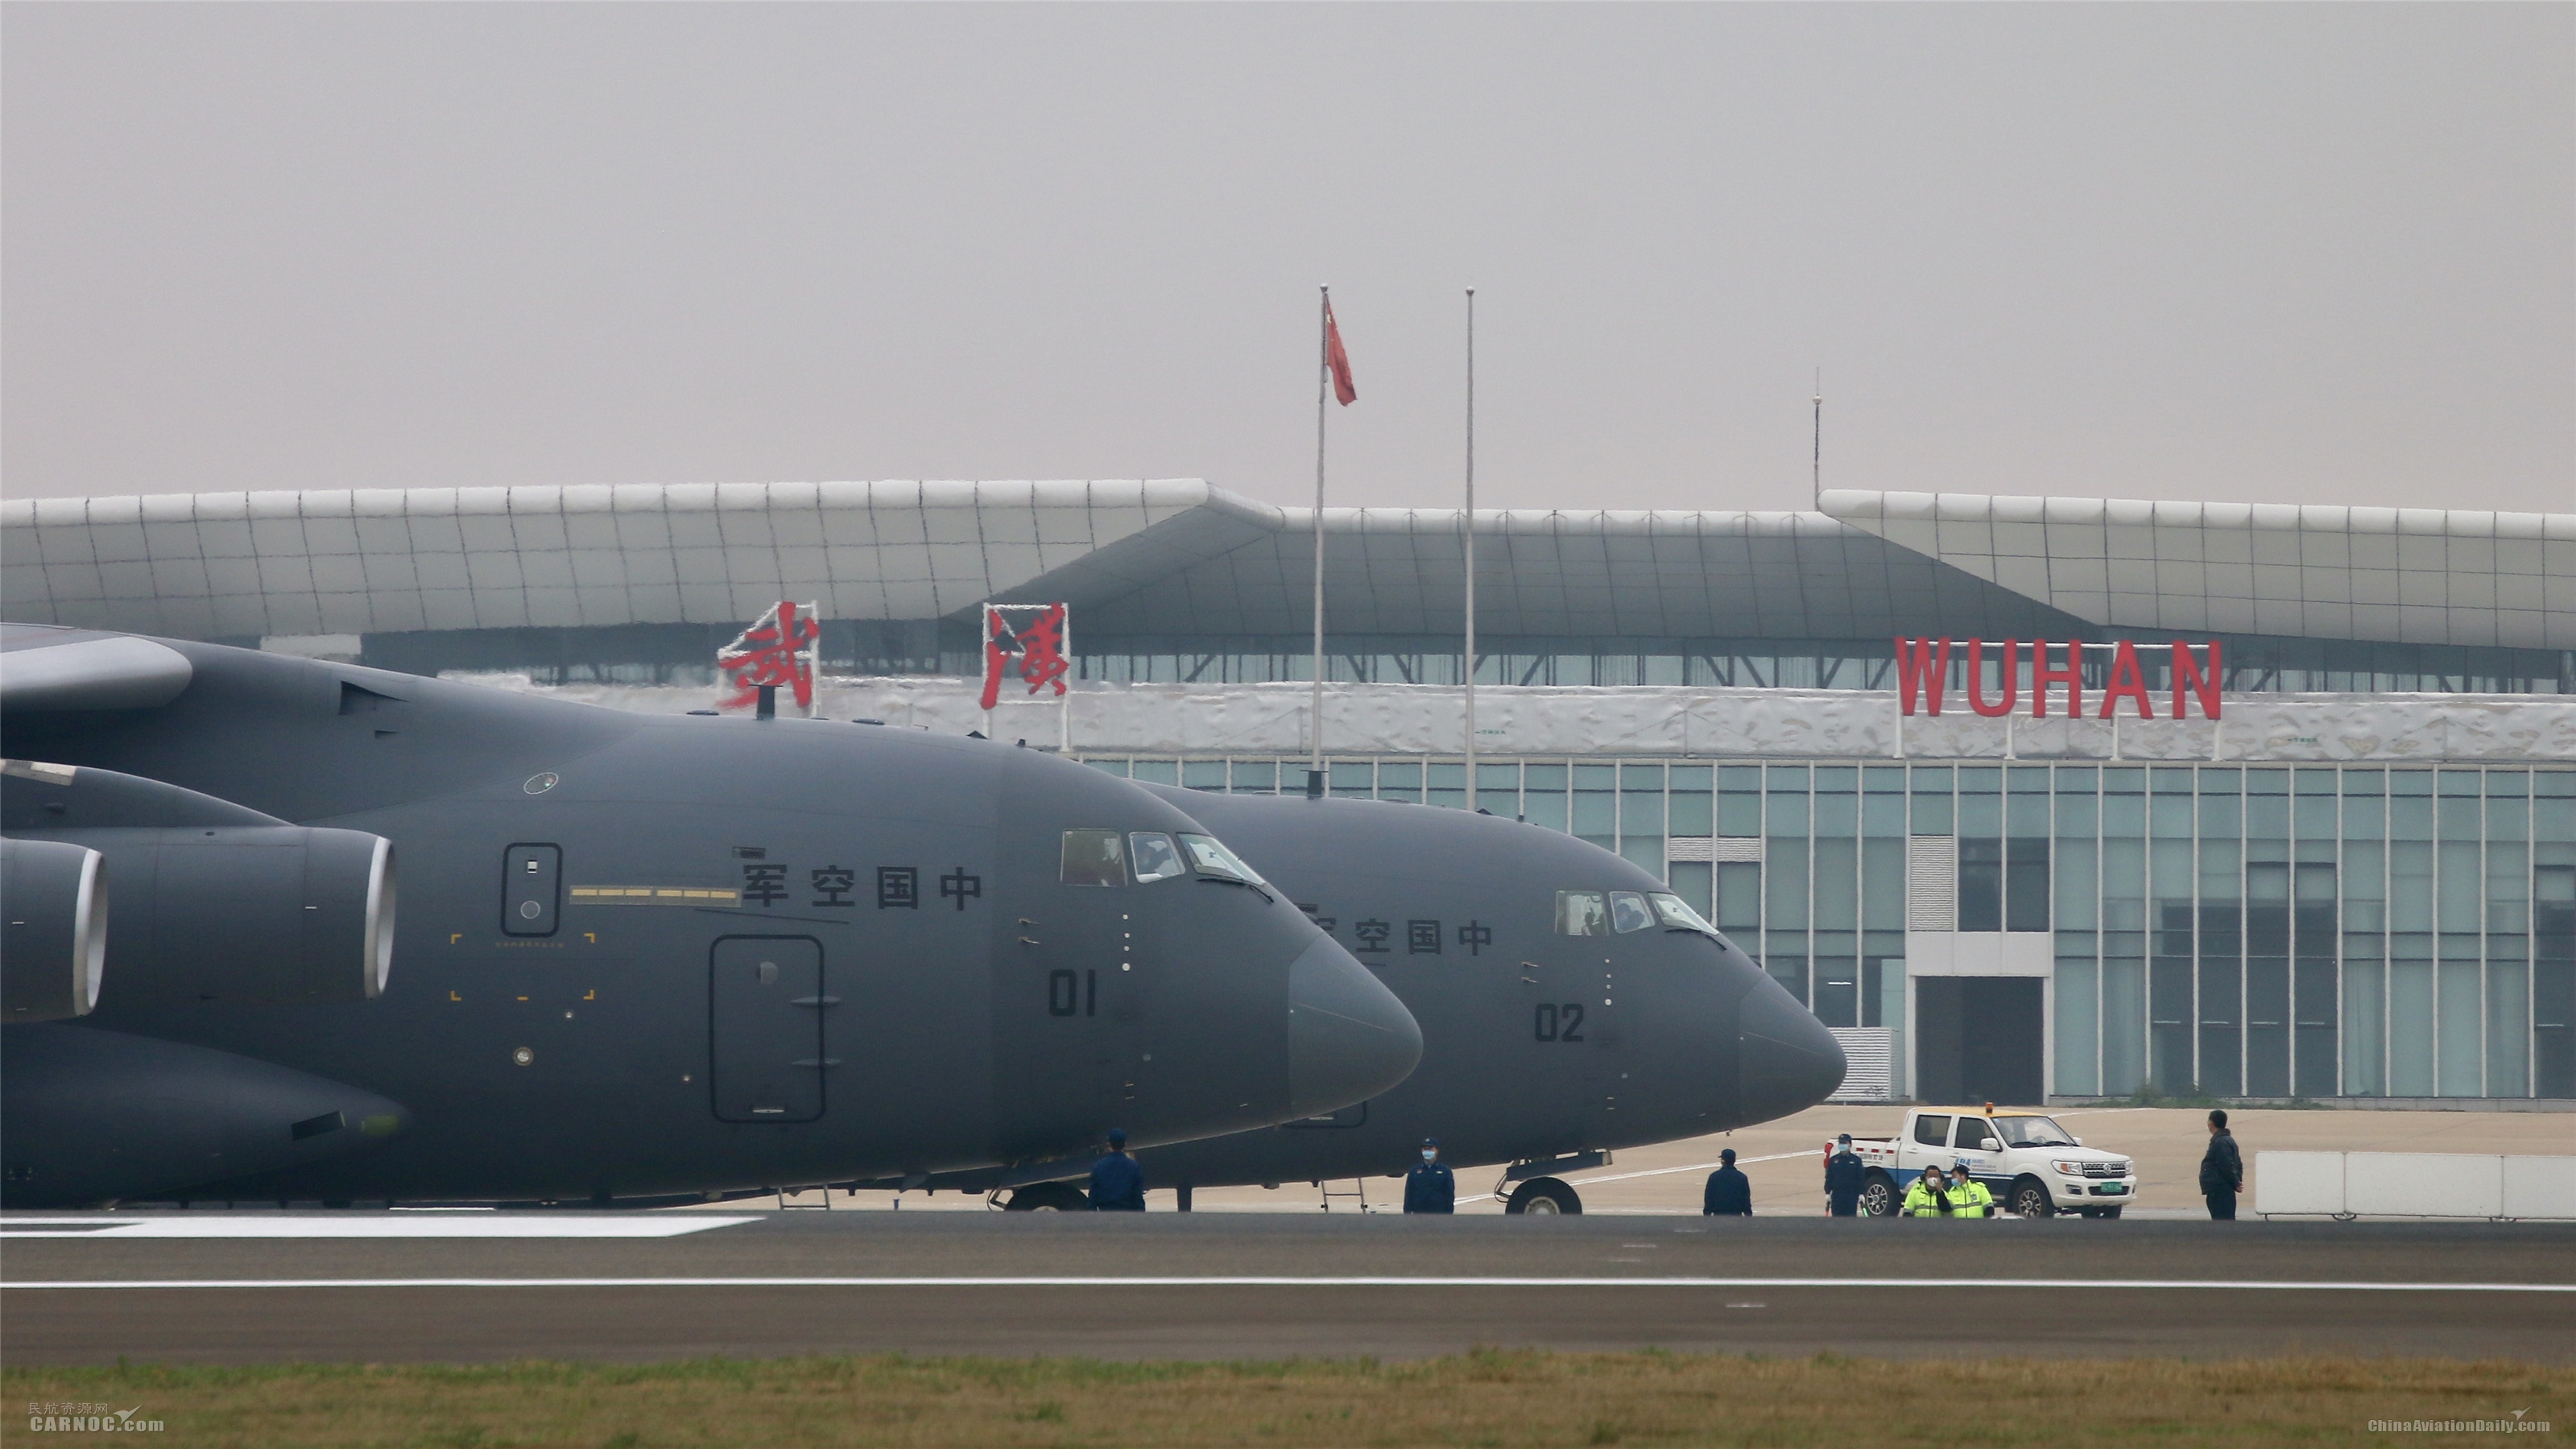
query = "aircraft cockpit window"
{"x": 1155, "y": 856}
{"x": 1581, "y": 913}
{"x": 1628, "y": 912}
{"x": 1094, "y": 858}
{"x": 1210, "y": 857}
{"x": 1677, "y": 915}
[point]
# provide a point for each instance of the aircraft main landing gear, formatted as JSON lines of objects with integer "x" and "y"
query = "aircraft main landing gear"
{"x": 1047, "y": 1197}
{"x": 1544, "y": 1197}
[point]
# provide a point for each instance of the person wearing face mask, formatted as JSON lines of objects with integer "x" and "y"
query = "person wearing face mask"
{"x": 1845, "y": 1176}
{"x": 1971, "y": 1197}
{"x": 1429, "y": 1187}
{"x": 1929, "y": 1197}
{"x": 1729, "y": 1193}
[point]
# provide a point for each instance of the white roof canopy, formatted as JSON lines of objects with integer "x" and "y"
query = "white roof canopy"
{"x": 1180, "y": 557}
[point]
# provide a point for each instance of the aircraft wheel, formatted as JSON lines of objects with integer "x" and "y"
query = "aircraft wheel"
{"x": 1047, "y": 1197}
{"x": 1544, "y": 1197}
{"x": 2030, "y": 1199}
{"x": 1878, "y": 1196}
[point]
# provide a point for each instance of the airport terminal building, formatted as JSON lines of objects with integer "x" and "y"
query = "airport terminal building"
{"x": 2027, "y": 798}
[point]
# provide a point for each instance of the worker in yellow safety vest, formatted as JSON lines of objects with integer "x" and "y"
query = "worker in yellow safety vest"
{"x": 1929, "y": 1197}
{"x": 1971, "y": 1196}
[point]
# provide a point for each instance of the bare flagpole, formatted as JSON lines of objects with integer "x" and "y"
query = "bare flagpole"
{"x": 1315, "y": 715}
{"x": 1467, "y": 527}
{"x": 1817, "y": 460}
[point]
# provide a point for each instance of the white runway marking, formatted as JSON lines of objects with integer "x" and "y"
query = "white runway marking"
{"x": 1657, "y": 1172}
{"x": 355, "y": 1225}
{"x": 2058, "y": 1284}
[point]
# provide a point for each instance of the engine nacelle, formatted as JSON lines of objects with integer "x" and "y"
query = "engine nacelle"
{"x": 90, "y": 1116}
{"x": 55, "y": 950}
{"x": 253, "y": 913}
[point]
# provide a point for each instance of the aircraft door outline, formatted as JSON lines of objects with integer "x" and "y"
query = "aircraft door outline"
{"x": 765, "y": 1030}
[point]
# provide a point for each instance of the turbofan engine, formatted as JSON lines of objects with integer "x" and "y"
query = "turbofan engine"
{"x": 214, "y": 901}
{"x": 52, "y": 958}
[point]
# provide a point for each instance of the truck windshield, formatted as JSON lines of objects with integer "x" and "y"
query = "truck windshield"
{"x": 2032, "y": 1132}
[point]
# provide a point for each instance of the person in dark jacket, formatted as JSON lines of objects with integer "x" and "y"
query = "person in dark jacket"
{"x": 2222, "y": 1171}
{"x": 1430, "y": 1187}
{"x": 1844, "y": 1178}
{"x": 1730, "y": 1193}
{"x": 1117, "y": 1183}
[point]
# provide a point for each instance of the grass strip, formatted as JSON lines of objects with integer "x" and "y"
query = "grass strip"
{"x": 1486, "y": 1397}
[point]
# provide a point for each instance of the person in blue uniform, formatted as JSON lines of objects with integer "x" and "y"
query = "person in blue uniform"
{"x": 1730, "y": 1193}
{"x": 1430, "y": 1187}
{"x": 2222, "y": 1170}
{"x": 1844, "y": 1178}
{"x": 1117, "y": 1183}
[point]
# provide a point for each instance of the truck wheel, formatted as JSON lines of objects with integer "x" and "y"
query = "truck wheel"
{"x": 1544, "y": 1197}
{"x": 2110, "y": 1212}
{"x": 1878, "y": 1195}
{"x": 1047, "y": 1197}
{"x": 2030, "y": 1199}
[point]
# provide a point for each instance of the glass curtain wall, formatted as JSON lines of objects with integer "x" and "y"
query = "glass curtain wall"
{"x": 2266, "y": 931}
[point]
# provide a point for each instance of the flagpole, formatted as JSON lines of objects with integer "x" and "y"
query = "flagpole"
{"x": 1816, "y": 460}
{"x": 1468, "y": 529}
{"x": 1315, "y": 715}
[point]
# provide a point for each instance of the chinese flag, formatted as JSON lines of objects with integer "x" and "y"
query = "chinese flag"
{"x": 1344, "y": 391}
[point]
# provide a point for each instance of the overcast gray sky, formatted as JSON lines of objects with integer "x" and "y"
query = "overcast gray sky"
{"x": 2311, "y": 253}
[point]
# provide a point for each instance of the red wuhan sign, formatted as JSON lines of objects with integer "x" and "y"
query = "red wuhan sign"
{"x": 1923, "y": 671}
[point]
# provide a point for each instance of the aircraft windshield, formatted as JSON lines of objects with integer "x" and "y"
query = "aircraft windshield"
{"x": 1155, "y": 856}
{"x": 1628, "y": 912}
{"x": 1677, "y": 915}
{"x": 1093, "y": 858}
{"x": 1211, "y": 857}
{"x": 2032, "y": 1132}
{"x": 1581, "y": 913}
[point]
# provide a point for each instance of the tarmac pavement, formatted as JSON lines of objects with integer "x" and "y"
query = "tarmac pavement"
{"x": 385, "y": 1286}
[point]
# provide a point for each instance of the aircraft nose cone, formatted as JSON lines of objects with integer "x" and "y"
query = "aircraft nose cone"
{"x": 1788, "y": 1061}
{"x": 1348, "y": 1037}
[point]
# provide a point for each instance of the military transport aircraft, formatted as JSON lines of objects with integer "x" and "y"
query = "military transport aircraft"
{"x": 639, "y": 957}
{"x": 1569, "y": 1004}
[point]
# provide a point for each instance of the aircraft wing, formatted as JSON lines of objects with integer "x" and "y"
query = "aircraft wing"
{"x": 44, "y": 668}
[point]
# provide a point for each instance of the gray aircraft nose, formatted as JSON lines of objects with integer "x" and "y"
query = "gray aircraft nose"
{"x": 1788, "y": 1061}
{"x": 1349, "y": 1038}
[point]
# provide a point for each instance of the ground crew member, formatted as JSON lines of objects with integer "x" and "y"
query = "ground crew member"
{"x": 1969, "y": 1195}
{"x": 1929, "y": 1197}
{"x": 2222, "y": 1170}
{"x": 1117, "y": 1183}
{"x": 1430, "y": 1187}
{"x": 1844, "y": 1178}
{"x": 1730, "y": 1192}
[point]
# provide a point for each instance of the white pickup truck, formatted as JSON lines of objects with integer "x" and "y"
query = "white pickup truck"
{"x": 2033, "y": 1166}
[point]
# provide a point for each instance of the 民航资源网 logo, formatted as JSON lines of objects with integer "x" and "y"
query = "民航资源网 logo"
{"x": 67, "y": 1417}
